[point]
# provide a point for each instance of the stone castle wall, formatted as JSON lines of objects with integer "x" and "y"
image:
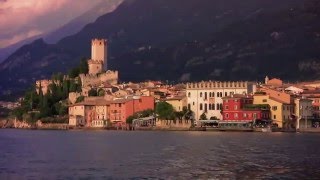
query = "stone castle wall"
{"x": 95, "y": 80}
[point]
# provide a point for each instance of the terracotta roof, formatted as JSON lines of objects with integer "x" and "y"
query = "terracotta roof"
{"x": 278, "y": 100}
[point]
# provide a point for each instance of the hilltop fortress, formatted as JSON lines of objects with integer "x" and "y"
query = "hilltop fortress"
{"x": 98, "y": 69}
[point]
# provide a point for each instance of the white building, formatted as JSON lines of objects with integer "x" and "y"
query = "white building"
{"x": 206, "y": 97}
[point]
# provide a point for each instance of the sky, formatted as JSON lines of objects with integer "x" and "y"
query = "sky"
{"x": 21, "y": 19}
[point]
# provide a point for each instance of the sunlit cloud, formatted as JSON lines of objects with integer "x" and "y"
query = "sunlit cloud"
{"x": 20, "y": 19}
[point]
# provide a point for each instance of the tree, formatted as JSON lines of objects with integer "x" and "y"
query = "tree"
{"x": 214, "y": 118}
{"x": 80, "y": 99}
{"x": 101, "y": 92}
{"x": 73, "y": 86}
{"x": 92, "y": 92}
{"x": 203, "y": 116}
{"x": 83, "y": 67}
{"x": 165, "y": 110}
{"x": 130, "y": 119}
{"x": 179, "y": 114}
{"x": 73, "y": 73}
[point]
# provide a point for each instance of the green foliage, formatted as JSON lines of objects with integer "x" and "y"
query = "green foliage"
{"x": 213, "y": 118}
{"x": 203, "y": 116}
{"x": 83, "y": 67}
{"x": 80, "y": 99}
{"x": 101, "y": 92}
{"x": 130, "y": 119}
{"x": 165, "y": 110}
{"x": 141, "y": 114}
{"x": 92, "y": 92}
{"x": 73, "y": 73}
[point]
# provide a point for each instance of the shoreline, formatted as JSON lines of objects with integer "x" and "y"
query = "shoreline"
{"x": 313, "y": 130}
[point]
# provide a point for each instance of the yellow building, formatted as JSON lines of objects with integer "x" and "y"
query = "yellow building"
{"x": 280, "y": 111}
{"x": 177, "y": 102}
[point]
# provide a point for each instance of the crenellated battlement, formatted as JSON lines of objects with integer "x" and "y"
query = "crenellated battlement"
{"x": 96, "y": 79}
{"x": 217, "y": 84}
{"x": 98, "y": 41}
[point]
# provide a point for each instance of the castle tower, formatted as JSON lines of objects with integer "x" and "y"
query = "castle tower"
{"x": 98, "y": 61}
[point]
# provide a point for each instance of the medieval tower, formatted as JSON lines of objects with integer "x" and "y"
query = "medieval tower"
{"x": 98, "y": 62}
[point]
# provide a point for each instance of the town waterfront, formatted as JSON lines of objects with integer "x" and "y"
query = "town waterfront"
{"x": 28, "y": 154}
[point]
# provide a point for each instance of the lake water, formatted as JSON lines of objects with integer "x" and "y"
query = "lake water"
{"x": 31, "y": 154}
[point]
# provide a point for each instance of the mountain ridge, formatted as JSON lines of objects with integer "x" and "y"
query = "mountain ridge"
{"x": 193, "y": 41}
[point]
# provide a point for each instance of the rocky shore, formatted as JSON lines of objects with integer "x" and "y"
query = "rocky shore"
{"x": 11, "y": 123}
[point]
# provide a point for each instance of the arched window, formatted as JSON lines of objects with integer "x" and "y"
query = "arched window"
{"x": 201, "y": 106}
{"x": 201, "y": 94}
{"x": 189, "y": 94}
{"x": 212, "y": 94}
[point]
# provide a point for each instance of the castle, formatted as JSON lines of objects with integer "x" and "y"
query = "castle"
{"x": 98, "y": 69}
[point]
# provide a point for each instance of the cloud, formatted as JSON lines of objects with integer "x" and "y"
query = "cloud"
{"x": 20, "y": 19}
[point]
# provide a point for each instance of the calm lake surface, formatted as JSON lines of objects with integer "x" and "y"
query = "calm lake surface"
{"x": 33, "y": 154}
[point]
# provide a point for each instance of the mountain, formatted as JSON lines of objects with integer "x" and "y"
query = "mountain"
{"x": 78, "y": 23}
{"x": 193, "y": 40}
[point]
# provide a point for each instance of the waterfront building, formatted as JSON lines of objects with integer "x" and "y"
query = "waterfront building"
{"x": 177, "y": 102}
{"x": 97, "y": 111}
{"x": 240, "y": 108}
{"x": 303, "y": 112}
{"x": 206, "y": 97}
{"x": 281, "y": 111}
{"x": 121, "y": 109}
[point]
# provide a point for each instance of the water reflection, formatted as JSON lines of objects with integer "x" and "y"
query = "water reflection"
{"x": 166, "y": 155}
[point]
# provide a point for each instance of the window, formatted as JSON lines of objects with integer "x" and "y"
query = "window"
{"x": 189, "y": 94}
{"x": 235, "y": 107}
{"x": 212, "y": 94}
{"x": 189, "y": 106}
{"x": 264, "y": 100}
{"x": 209, "y": 106}
{"x": 220, "y": 94}
{"x": 227, "y": 115}
{"x": 193, "y": 103}
{"x": 226, "y": 107}
{"x": 236, "y": 115}
{"x": 201, "y": 94}
{"x": 205, "y": 107}
{"x": 225, "y": 94}
{"x": 274, "y": 117}
{"x": 205, "y": 95}
{"x": 201, "y": 106}
{"x": 274, "y": 108}
{"x": 213, "y": 107}
{"x": 218, "y": 107}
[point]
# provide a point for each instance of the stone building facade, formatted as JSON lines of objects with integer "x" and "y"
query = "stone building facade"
{"x": 206, "y": 97}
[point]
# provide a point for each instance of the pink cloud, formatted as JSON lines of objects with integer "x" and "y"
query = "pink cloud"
{"x": 21, "y": 18}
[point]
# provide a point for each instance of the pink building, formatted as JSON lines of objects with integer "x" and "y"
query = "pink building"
{"x": 121, "y": 109}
